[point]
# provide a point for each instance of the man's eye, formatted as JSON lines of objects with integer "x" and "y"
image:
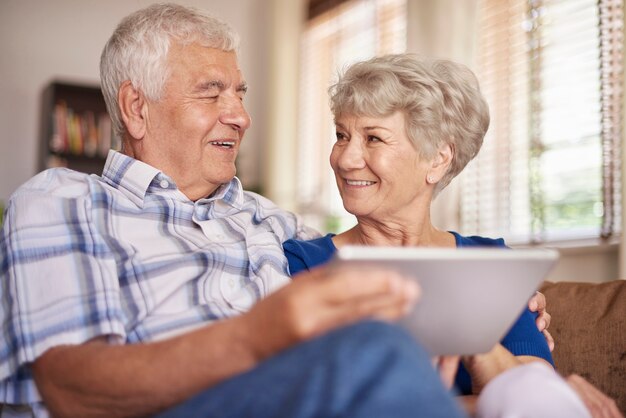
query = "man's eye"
{"x": 210, "y": 94}
{"x": 372, "y": 138}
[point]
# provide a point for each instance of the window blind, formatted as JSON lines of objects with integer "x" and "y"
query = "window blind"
{"x": 551, "y": 71}
{"x": 350, "y": 31}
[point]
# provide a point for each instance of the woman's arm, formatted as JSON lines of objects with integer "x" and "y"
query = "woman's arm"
{"x": 484, "y": 367}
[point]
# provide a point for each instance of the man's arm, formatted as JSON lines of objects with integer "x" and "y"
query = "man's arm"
{"x": 98, "y": 379}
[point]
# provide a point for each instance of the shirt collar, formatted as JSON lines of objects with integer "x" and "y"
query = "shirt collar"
{"x": 130, "y": 176}
{"x": 133, "y": 178}
{"x": 230, "y": 193}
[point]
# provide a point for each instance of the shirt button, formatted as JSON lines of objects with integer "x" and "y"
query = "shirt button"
{"x": 231, "y": 282}
{"x": 164, "y": 184}
{"x": 219, "y": 236}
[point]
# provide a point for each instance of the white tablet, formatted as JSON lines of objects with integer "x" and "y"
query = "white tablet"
{"x": 470, "y": 296}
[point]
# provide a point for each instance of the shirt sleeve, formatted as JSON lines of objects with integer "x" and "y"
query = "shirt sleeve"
{"x": 294, "y": 254}
{"x": 59, "y": 278}
{"x": 524, "y": 339}
{"x": 305, "y": 255}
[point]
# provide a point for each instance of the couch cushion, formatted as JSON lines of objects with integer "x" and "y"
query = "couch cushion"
{"x": 589, "y": 328}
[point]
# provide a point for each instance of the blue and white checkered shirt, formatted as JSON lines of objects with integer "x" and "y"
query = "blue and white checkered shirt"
{"x": 127, "y": 255}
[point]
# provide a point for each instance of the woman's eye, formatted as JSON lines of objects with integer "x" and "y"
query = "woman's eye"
{"x": 340, "y": 136}
{"x": 372, "y": 138}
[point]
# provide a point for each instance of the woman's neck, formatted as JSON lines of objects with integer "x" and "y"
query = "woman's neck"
{"x": 417, "y": 234}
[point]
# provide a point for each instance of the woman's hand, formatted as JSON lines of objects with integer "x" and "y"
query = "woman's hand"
{"x": 598, "y": 404}
{"x": 538, "y": 304}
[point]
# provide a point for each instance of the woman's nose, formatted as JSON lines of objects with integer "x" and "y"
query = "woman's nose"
{"x": 352, "y": 155}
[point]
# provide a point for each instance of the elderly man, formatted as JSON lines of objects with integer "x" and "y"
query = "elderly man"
{"x": 129, "y": 293}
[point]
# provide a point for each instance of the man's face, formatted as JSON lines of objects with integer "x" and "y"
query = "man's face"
{"x": 194, "y": 130}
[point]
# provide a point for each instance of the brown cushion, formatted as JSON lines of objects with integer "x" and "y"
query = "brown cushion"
{"x": 589, "y": 327}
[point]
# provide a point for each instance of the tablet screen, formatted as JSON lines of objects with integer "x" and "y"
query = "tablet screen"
{"x": 470, "y": 296}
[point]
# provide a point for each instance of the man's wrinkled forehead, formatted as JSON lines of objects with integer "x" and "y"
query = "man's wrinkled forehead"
{"x": 205, "y": 60}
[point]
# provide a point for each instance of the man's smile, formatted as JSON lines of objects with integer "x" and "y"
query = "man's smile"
{"x": 223, "y": 144}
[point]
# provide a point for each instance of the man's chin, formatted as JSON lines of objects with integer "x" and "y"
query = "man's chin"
{"x": 226, "y": 176}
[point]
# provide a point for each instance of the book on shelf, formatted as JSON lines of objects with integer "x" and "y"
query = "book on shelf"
{"x": 81, "y": 133}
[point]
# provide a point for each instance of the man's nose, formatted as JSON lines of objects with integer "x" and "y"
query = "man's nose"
{"x": 234, "y": 114}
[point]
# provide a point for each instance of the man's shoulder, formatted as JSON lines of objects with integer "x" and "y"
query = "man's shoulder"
{"x": 56, "y": 182}
{"x": 284, "y": 223}
{"x": 264, "y": 207}
{"x": 50, "y": 197}
{"x": 261, "y": 200}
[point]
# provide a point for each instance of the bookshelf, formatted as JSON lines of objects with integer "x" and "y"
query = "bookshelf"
{"x": 76, "y": 130}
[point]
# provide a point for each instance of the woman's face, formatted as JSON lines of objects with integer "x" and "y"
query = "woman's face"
{"x": 379, "y": 172}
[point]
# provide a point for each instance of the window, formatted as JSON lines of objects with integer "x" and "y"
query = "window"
{"x": 349, "y": 32}
{"x": 549, "y": 170}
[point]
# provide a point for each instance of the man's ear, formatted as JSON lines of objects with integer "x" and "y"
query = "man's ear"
{"x": 440, "y": 164}
{"x": 132, "y": 105}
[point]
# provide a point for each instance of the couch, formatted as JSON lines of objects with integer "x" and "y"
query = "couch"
{"x": 589, "y": 327}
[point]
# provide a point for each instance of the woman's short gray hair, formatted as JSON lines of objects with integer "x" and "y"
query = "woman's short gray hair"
{"x": 441, "y": 101}
{"x": 137, "y": 50}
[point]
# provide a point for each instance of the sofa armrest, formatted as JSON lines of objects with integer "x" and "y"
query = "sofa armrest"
{"x": 589, "y": 328}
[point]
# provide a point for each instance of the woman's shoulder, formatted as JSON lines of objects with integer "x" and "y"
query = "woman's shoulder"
{"x": 306, "y": 254}
{"x": 477, "y": 241}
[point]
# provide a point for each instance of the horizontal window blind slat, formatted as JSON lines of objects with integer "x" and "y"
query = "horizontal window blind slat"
{"x": 555, "y": 102}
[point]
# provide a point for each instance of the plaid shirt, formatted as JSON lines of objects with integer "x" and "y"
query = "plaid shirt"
{"x": 127, "y": 255}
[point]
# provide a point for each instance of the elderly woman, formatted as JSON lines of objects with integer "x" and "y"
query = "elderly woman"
{"x": 406, "y": 126}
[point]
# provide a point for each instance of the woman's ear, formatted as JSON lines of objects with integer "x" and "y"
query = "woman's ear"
{"x": 132, "y": 109}
{"x": 440, "y": 164}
